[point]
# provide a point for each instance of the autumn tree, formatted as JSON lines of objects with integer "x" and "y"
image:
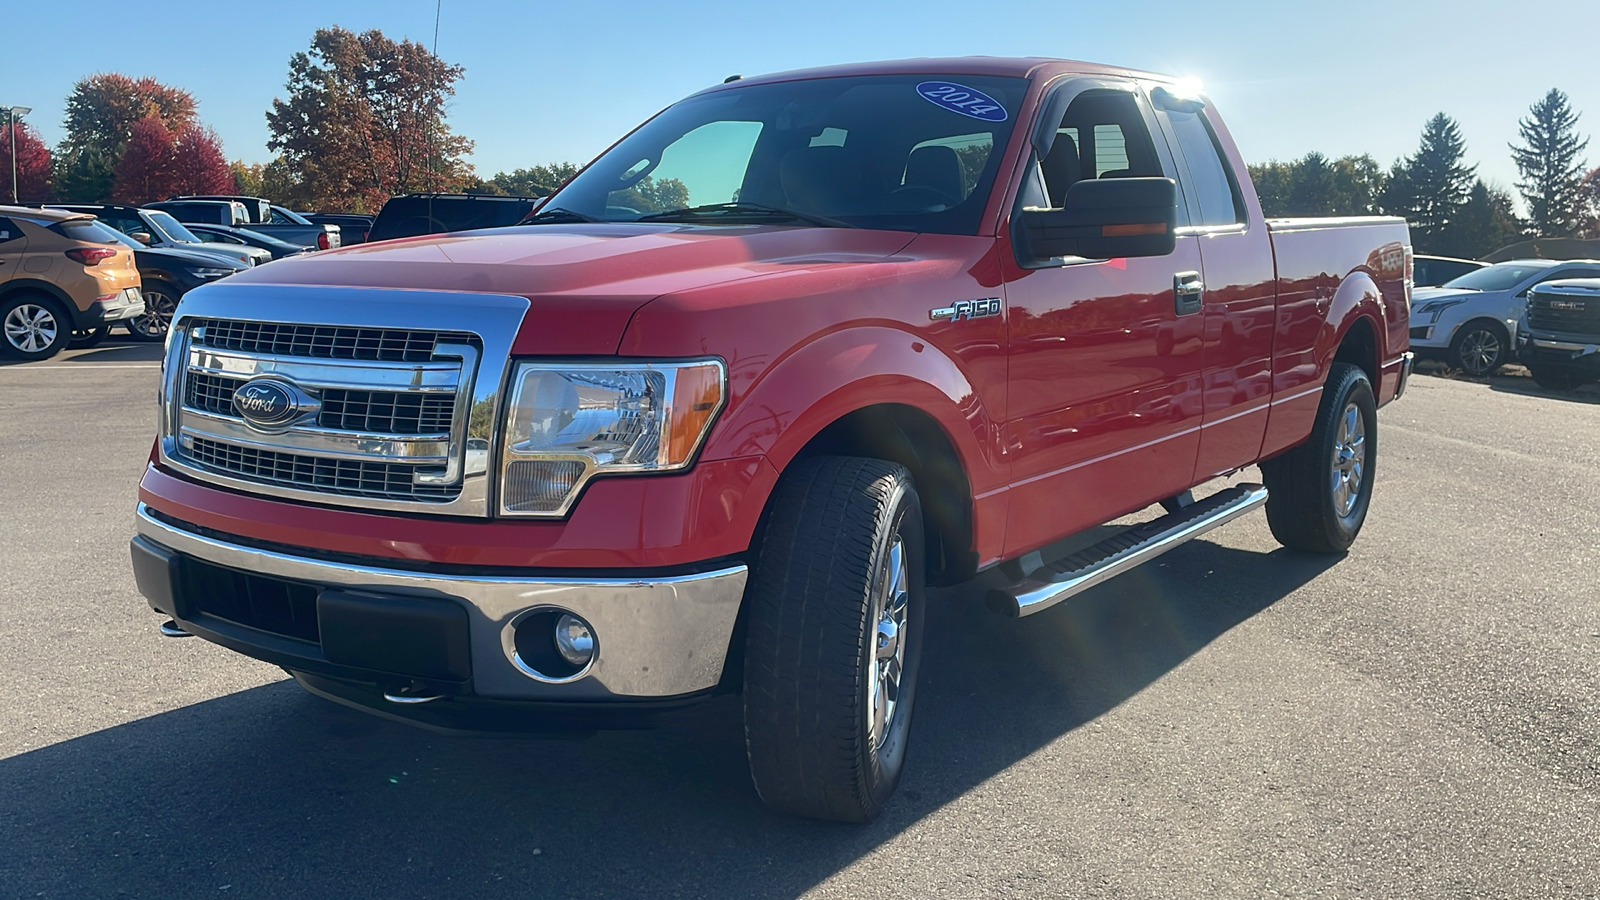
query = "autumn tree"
{"x": 158, "y": 164}
{"x": 1551, "y": 167}
{"x": 33, "y": 165}
{"x": 103, "y": 109}
{"x": 365, "y": 120}
{"x": 198, "y": 165}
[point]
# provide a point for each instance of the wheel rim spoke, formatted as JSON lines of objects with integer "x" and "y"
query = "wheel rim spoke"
{"x": 1349, "y": 460}
{"x": 890, "y": 613}
{"x": 31, "y": 328}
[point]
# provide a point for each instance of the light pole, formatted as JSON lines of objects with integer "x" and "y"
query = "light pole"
{"x": 12, "y": 113}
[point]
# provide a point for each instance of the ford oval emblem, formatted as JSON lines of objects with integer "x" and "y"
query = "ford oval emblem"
{"x": 266, "y": 403}
{"x": 962, "y": 99}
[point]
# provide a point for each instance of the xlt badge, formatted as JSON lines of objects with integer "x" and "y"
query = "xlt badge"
{"x": 967, "y": 309}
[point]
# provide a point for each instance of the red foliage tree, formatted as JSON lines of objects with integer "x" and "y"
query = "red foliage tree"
{"x": 198, "y": 164}
{"x": 147, "y": 169}
{"x": 33, "y": 165}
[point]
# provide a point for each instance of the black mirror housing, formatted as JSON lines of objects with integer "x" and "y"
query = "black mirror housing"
{"x": 1105, "y": 219}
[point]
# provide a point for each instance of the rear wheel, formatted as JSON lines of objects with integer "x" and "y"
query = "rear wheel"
{"x": 1318, "y": 492}
{"x": 160, "y": 302}
{"x": 90, "y": 337}
{"x": 1479, "y": 349}
{"x": 834, "y": 638}
{"x": 33, "y": 327}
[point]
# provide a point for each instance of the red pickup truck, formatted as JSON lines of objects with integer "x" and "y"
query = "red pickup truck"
{"x": 717, "y": 415}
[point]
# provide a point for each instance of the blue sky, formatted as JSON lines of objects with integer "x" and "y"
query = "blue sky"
{"x": 559, "y": 81}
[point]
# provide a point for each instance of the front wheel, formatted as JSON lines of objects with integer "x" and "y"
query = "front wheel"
{"x": 1318, "y": 493}
{"x": 1479, "y": 349}
{"x": 160, "y": 303}
{"x": 834, "y": 638}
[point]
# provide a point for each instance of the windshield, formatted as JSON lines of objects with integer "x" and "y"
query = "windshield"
{"x": 899, "y": 152}
{"x": 1498, "y": 277}
{"x": 171, "y": 228}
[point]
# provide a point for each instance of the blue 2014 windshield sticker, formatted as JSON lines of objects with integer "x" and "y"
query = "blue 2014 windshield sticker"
{"x": 962, "y": 99}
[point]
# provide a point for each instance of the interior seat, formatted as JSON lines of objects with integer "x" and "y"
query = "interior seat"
{"x": 826, "y": 181}
{"x": 1062, "y": 169}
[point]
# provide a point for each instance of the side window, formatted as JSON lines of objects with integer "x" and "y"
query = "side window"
{"x": 1208, "y": 170}
{"x": 9, "y": 231}
{"x": 279, "y": 218}
{"x": 1102, "y": 135}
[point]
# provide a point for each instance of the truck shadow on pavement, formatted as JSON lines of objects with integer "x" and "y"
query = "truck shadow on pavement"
{"x": 273, "y": 793}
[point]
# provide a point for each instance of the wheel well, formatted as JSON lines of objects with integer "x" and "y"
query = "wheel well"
{"x": 1360, "y": 348}
{"x": 1496, "y": 324}
{"x": 910, "y": 437}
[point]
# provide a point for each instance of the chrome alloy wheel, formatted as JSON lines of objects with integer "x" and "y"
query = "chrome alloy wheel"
{"x": 1480, "y": 351}
{"x": 31, "y": 328}
{"x": 1349, "y": 460}
{"x": 890, "y": 610}
{"x": 156, "y": 320}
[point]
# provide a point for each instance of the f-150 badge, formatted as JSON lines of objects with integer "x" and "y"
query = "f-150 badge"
{"x": 967, "y": 309}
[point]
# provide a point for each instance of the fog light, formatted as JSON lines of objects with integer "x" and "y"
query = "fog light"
{"x": 540, "y": 485}
{"x": 574, "y": 640}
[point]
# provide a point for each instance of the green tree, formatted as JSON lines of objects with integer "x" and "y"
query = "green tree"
{"x": 648, "y": 195}
{"x": 1485, "y": 223}
{"x": 1551, "y": 167}
{"x": 365, "y": 120}
{"x": 535, "y": 181}
{"x": 1430, "y": 187}
{"x": 1316, "y": 186}
{"x": 83, "y": 176}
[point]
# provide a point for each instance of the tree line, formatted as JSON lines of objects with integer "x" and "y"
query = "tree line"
{"x": 1452, "y": 211}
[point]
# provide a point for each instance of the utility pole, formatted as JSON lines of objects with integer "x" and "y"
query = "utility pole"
{"x": 12, "y": 113}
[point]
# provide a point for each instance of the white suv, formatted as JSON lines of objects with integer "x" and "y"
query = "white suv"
{"x": 1472, "y": 320}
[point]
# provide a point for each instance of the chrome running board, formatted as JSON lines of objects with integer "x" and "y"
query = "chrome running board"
{"x": 1111, "y": 557}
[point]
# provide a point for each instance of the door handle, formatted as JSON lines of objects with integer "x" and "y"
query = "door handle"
{"x": 1187, "y": 292}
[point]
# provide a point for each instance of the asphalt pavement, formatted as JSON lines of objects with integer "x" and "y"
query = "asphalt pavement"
{"x": 1415, "y": 719}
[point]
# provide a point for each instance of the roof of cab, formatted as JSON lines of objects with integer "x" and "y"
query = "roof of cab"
{"x": 40, "y": 214}
{"x": 1015, "y": 67}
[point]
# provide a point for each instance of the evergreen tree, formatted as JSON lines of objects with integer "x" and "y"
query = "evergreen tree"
{"x": 1550, "y": 165}
{"x": 1486, "y": 222}
{"x": 84, "y": 176}
{"x": 1430, "y": 187}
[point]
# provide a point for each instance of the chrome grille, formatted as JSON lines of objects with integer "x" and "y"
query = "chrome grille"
{"x": 386, "y": 412}
{"x": 323, "y": 341}
{"x": 350, "y": 478}
{"x": 1564, "y": 313}
{"x": 210, "y": 393}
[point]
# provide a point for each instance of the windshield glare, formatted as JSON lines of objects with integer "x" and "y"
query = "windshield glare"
{"x": 1498, "y": 277}
{"x": 871, "y": 151}
{"x": 173, "y": 229}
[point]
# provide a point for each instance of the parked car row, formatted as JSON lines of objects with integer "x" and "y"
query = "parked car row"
{"x": 255, "y": 214}
{"x": 1472, "y": 321}
{"x": 61, "y": 272}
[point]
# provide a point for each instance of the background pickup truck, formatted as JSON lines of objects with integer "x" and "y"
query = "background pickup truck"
{"x": 255, "y": 214}
{"x": 720, "y": 412}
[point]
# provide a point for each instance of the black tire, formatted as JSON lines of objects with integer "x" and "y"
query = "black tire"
{"x": 33, "y": 326}
{"x": 160, "y": 302}
{"x": 1305, "y": 507}
{"x": 82, "y": 340}
{"x": 1480, "y": 348}
{"x": 1557, "y": 378}
{"x": 812, "y": 648}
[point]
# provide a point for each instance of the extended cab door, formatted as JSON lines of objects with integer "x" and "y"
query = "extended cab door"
{"x": 1239, "y": 299}
{"x": 1105, "y": 355}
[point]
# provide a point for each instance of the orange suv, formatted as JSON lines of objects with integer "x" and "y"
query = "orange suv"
{"x": 60, "y": 272}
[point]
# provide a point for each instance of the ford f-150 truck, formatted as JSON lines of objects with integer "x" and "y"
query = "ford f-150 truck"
{"x": 720, "y": 412}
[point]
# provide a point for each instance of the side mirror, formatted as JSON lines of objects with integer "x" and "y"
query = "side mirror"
{"x": 1105, "y": 219}
{"x": 142, "y": 237}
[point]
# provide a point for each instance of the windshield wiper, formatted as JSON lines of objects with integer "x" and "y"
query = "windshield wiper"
{"x": 748, "y": 210}
{"x": 560, "y": 214}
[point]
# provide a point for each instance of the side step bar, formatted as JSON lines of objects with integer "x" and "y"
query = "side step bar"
{"x": 1119, "y": 553}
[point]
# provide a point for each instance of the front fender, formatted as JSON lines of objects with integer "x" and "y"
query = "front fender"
{"x": 817, "y": 383}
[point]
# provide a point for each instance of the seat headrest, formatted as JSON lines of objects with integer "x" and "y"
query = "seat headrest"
{"x": 937, "y": 168}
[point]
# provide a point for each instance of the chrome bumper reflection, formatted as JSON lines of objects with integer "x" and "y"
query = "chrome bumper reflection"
{"x": 656, "y": 637}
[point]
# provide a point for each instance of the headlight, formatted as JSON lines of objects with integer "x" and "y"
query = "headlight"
{"x": 568, "y": 422}
{"x": 210, "y": 273}
{"x": 1437, "y": 307}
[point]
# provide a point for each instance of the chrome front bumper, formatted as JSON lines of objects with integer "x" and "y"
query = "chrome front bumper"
{"x": 655, "y": 637}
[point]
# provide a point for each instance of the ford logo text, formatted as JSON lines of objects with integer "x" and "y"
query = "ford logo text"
{"x": 266, "y": 403}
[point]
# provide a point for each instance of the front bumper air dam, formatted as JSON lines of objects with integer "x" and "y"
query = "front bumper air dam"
{"x": 1578, "y": 354}
{"x": 657, "y": 639}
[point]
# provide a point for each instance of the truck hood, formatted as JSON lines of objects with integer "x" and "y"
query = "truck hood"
{"x": 584, "y": 281}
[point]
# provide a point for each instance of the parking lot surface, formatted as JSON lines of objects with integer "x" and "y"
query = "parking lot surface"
{"x": 1420, "y": 718}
